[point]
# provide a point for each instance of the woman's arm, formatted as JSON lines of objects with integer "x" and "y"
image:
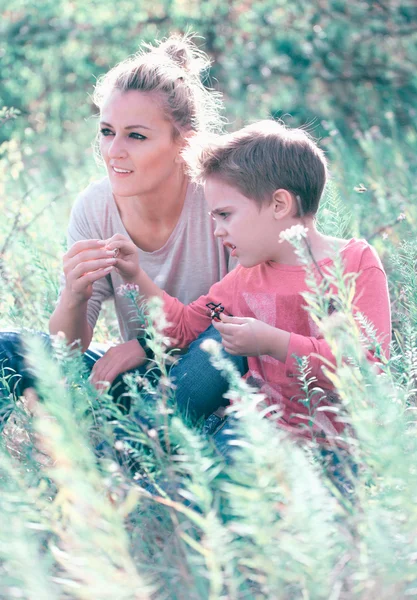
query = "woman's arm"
{"x": 127, "y": 264}
{"x": 86, "y": 261}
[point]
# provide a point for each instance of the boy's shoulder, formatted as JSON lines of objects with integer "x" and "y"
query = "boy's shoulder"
{"x": 359, "y": 255}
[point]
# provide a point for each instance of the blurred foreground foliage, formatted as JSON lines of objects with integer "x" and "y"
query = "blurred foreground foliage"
{"x": 273, "y": 526}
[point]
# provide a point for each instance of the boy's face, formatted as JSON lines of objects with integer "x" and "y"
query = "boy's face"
{"x": 251, "y": 232}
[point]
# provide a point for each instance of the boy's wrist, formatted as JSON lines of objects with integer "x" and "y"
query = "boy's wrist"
{"x": 277, "y": 343}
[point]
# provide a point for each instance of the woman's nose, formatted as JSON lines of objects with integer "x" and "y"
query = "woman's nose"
{"x": 117, "y": 148}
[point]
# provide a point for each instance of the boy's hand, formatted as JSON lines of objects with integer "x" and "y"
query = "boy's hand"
{"x": 244, "y": 336}
{"x": 126, "y": 256}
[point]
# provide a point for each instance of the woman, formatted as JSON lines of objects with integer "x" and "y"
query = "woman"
{"x": 150, "y": 104}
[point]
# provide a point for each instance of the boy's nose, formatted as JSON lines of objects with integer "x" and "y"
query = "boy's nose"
{"x": 219, "y": 230}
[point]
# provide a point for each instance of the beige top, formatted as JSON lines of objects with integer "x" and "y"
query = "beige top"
{"x": 185, "y": 267}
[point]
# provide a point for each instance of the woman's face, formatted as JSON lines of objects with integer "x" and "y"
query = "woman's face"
{"x": 137, "y": 144}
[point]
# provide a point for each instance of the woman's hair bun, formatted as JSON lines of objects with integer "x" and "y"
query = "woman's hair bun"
{"x": 174, "y": 69}
{"x": 182, "y": 50}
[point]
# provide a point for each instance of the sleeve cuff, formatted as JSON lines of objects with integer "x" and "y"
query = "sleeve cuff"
{"x": 299, "y": 346}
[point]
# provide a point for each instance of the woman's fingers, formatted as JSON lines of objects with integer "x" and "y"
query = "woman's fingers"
{"x": 91, "y": 277}
{"x": 83, "y": 245}
{"x": 90, "y": 266}
{"x": 117, "y": 237}
{"x": 126, "y": 246}
{"x": 84, "y": 257}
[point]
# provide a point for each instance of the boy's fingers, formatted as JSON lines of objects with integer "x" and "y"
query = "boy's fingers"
{"x": 233, "y": 320}
{"x": 226, "y": 330}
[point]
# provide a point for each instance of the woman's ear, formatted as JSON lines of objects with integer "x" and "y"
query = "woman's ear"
{"x": 284, "y": 204}
{"x": 183, "y": 142}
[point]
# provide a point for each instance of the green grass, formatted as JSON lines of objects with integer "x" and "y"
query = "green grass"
{"x": 273, "y": 525}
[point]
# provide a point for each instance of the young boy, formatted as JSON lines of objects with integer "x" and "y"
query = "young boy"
{"x": 259, "y": 182}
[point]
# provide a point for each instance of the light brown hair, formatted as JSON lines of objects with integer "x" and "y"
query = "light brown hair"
{"x": 262, "y": 158}
{"x": 172, "y": 69}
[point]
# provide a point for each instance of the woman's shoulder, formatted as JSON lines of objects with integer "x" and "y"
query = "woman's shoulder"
{"x": 95, "y": 194}
{"x": 91, "y": 209}
{"x": 195, "y": 195}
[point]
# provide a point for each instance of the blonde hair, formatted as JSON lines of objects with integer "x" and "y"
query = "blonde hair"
{"x": 260, "y": 159}
{"x": 173, "y": 70}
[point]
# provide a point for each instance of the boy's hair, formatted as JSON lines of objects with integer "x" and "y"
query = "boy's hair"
{"x": 262, "y": 158}
{"x": 172, "y": 69}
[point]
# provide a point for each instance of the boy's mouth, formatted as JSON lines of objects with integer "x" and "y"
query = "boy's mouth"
{"x": 232, "y": 248}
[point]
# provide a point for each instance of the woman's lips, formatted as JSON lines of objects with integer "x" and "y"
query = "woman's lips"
{"x": 119, "y": 172}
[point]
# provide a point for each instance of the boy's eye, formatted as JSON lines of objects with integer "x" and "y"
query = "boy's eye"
{"x": 219, "y": 215}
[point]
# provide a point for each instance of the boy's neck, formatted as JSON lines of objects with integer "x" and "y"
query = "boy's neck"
{"x": 321, "y": 246}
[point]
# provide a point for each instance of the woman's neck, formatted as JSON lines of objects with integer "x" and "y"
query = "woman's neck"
{"x": 150, "y": 219}
{"x": 161, "y": 206}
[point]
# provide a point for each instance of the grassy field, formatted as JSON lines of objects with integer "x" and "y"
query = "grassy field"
{"x": 185, "y": 525}
{"x": 271, "y": 526}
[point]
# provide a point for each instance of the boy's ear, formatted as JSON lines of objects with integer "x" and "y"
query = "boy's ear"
{"x": 283, "y": 203}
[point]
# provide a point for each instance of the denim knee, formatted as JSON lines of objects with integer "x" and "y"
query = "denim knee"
{"x": 200, "y": 387}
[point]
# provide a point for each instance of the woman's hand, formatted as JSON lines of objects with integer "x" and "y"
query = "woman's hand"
{"x": 127, "y": 257}
{"x": 84, "y": 263}
{"x": 117, "y": 359}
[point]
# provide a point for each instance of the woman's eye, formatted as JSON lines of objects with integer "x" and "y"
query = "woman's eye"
{"x": 137, "y": 136}
{"x": 105, "y": 131}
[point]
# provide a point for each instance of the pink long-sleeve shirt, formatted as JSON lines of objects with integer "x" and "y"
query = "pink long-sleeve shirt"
{"x": 271, "y": 292}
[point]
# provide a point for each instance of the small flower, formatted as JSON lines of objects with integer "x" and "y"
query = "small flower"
{"x": 360, "y": 188}
{"x": 294, "y": 233}
{"x": 139, "y": 380}
{"x": 401, "y": 217}
{"x": 165, "y": 382}
{"x": 385, "y": 235}
{"x": 127, "y": 289}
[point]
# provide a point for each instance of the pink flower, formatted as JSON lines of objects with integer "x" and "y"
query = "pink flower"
{"x": 127, "y": 289}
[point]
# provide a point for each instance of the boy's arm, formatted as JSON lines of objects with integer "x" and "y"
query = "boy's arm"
{"x": 372, "y": 301}
{"x": 185, "y": 322}
{"x": 250, "y": 337}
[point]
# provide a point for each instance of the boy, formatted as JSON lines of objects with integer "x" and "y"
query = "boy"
{"x": 260, "y": 181}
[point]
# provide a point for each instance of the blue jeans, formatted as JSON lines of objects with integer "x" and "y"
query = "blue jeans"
{"x": 199, "y": 385}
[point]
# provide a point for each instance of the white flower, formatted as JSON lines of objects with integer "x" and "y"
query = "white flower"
{"x": 211, "y": 346}
{"x": 294, "y": 233}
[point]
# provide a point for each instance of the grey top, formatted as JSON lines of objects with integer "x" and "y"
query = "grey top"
{"x": 186, "y": 265}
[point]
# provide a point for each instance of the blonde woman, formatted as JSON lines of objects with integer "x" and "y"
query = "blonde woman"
{"x": 150, "y": 105}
